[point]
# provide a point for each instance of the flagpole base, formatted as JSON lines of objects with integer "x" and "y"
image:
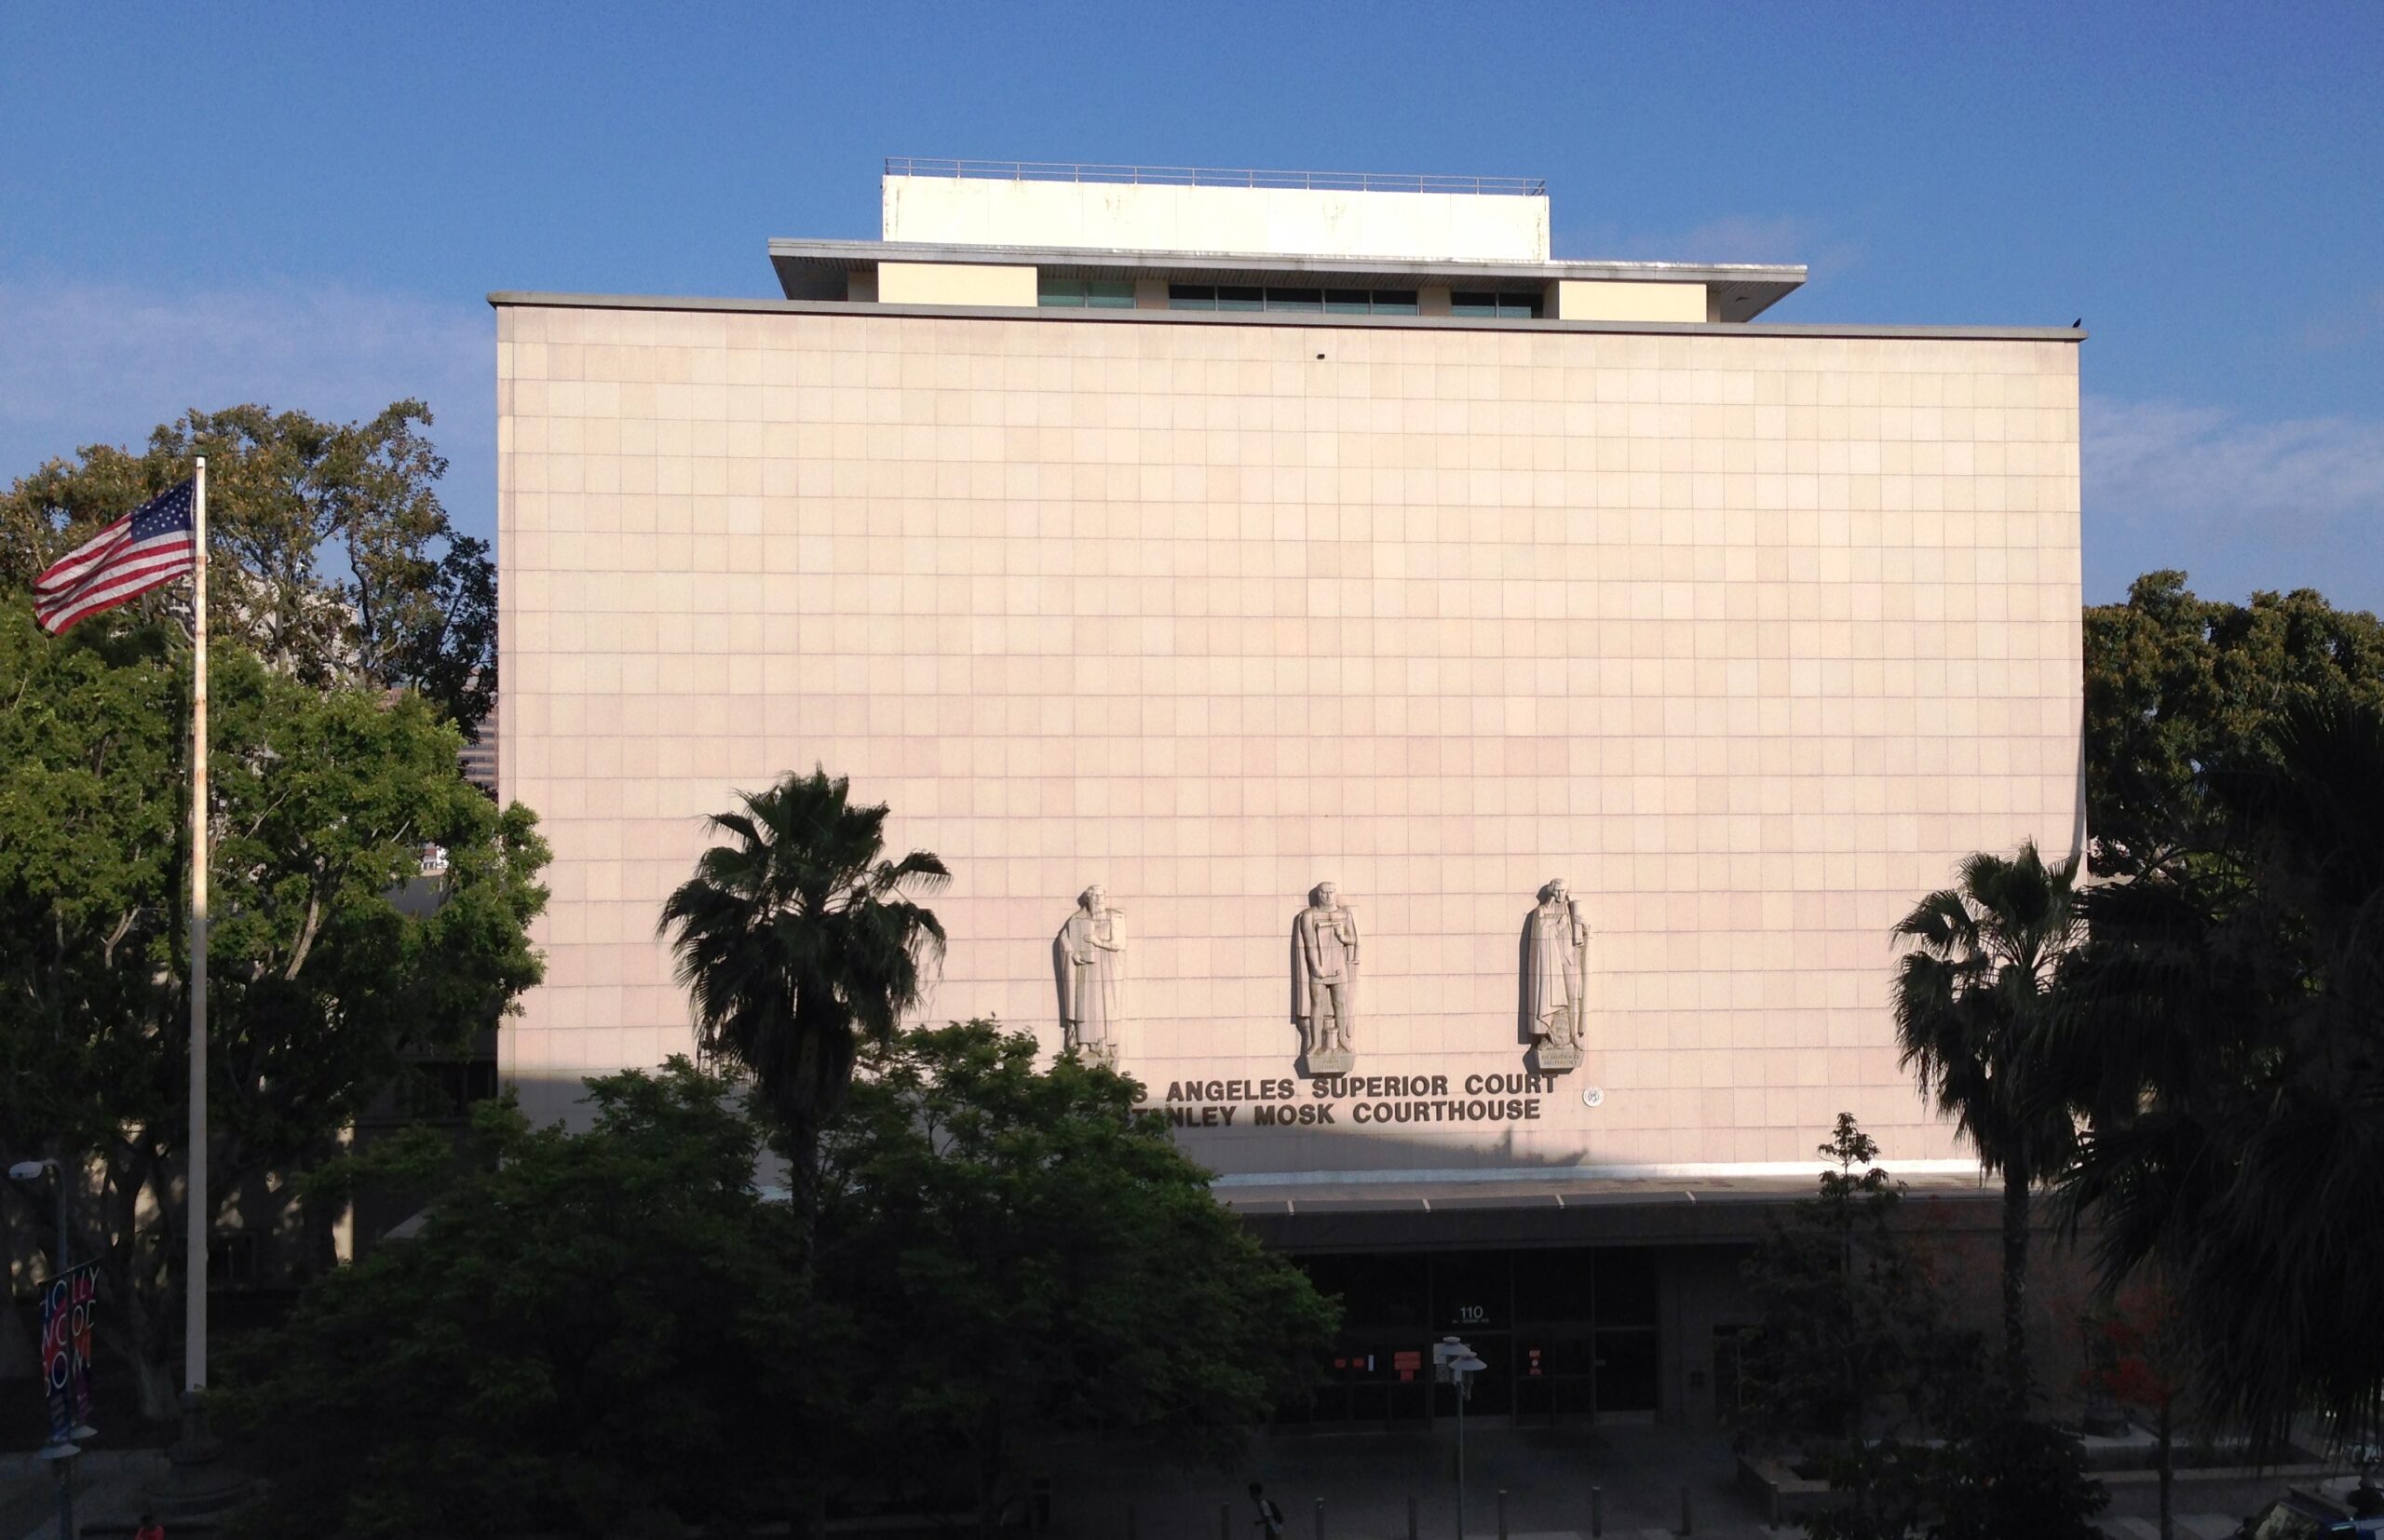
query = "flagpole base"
{"x": 198, "y": 1483}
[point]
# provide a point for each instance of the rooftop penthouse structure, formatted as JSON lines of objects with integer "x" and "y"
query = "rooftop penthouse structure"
{"x": 1131, "y": 238}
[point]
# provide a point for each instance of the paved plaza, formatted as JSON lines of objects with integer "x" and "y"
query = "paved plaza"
{"x": 1364, "y": 1482}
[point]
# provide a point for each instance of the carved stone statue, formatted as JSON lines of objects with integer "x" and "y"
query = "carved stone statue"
{"x": 1324, "y": 982}
{"x": 1089, "y": 959}
{"x": 1555, "y": 982}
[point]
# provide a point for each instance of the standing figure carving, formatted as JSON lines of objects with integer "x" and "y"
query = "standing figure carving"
{"x": 1324, "y": 982}
{"x": 1089, "y": 958}
{"x": 1556, "y": 983}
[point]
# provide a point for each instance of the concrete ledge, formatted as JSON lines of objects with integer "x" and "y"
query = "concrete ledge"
{"x": 1786, "y": 1497}
{"x": 1302, "y": 321}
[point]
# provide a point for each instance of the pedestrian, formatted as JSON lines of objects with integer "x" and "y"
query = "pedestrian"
{"x": 149, "y": 1529}
{"x": 1269, "y": 1522}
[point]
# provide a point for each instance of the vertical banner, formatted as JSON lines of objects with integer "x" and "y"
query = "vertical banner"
{"x": 67, "y": 1302}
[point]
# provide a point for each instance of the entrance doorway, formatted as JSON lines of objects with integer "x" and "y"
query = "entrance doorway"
{"x": 1564, "y": 1334}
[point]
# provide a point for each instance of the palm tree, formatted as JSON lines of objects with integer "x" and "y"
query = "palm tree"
{"x": 795, "y": 943}
{"x": 1973, "y": 1002}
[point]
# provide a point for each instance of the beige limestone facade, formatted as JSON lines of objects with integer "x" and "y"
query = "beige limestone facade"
{"x": 1263, "y": 590}
{"x": 1748, "y": 633}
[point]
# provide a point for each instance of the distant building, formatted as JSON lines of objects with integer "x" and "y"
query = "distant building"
{"x": 478, "y": 757}
{"x": 1211, "y": 537}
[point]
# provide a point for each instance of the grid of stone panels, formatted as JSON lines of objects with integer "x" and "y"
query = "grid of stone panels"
{"x": 1749, "y": 638}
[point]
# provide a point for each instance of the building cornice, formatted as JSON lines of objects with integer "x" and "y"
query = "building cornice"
{"x": 1308, "y": 320}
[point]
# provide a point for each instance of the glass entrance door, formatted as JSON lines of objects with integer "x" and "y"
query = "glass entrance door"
{"x": 1563, "y": 1333}
{"x": 1555, "y": 1372}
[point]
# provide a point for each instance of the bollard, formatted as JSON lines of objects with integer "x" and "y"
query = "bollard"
{"x": 1411, "y": 1516}
{"x": 1224, "y": 1522}
{"x": 1686, "y": 1527}
{"x": 1598, "y": 1512}
{"x": 1502, "y": 1513}
{"x": 1320, "y": 1518}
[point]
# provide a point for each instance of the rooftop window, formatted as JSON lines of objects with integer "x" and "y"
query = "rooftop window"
{"x": 1086, "y": 293}
{"x": 1337, "y": 302}
{"x": 1504, "y": 306}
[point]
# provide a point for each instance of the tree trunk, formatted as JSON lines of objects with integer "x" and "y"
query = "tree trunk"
{"x": 17, "y": 1357}
{"x": 802, "y": 1177}
{"x": 803, "y": 1195}
{"x": 989, "y": 1478}
{"x": 148, "y": 1339}
{"x": 143, "y": 1277}
{"x": 2168, "y": 1472}
{"x": 159, "y": 1389}
{"x": 2015, "y": 1283}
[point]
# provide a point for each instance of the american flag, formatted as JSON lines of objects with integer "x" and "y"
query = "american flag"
{"x": 151, "y": 544}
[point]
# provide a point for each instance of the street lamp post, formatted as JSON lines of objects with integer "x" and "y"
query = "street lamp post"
{"x": 58, "y": 1452}
{"x": 1457, "y": 1364}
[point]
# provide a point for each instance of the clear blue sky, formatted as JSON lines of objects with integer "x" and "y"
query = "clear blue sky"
{"x": 304, "y": 203}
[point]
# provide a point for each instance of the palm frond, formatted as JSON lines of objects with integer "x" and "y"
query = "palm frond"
{"x": 794, "y": 942}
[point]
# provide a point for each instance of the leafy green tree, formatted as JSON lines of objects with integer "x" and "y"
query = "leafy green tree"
{"x": 1851, "y": 1356}
{"x": 799, "y": 947}
{"x": 2008, "y": 1475}
{"x": 1028, "y": 1255}
{"x": 1974, "y": 1011}
{"x": 2174, "y": 683}
{"x": 331, "y": 556}
{"x": 322, "y": 984}
{"x": 592, "y": 1330}
{"x": 2228, "y": 1020}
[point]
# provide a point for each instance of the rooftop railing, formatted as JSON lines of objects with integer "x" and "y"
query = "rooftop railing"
{"x": 1211, "y": 176}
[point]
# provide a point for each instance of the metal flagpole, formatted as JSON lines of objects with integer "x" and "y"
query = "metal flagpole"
{"x": 198, "y": 1483}
{"x": 195, "y": 1254}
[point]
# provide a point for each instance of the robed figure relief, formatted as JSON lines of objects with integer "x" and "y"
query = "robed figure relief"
{"x": 1324, "y": 982}
{"x": 1089, "y": 957}
{"x": 1555, "y": 978}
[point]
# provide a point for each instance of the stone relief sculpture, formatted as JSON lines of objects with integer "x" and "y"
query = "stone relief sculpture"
{"x": 1555, "y": 978}
{"x": 1324, "y": 982}
{"x": 1089, "y": 960}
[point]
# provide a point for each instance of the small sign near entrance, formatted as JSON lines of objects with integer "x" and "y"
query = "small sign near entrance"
{"x": 1409, "y": 1365}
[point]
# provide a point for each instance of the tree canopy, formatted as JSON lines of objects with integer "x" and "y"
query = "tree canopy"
{"x": 326, "y": 976}
{"x": 1027, "y": 1254}
{"x": 332, "y": 557}
{"x": 590, "y": 1328}
{"x": 2175, "y": 684}
{"x": 594, "y": 1326}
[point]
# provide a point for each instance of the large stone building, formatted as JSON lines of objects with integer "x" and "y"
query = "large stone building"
{"x": 1208, "y": 537}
